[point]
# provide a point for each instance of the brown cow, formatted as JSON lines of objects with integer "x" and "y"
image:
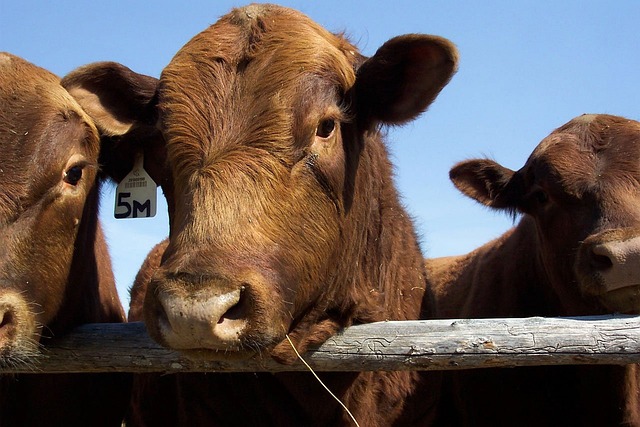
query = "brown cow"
{"x": 55, "y": 271}
{"x": 576, "y": 251}
{"x": 284, "y": 217}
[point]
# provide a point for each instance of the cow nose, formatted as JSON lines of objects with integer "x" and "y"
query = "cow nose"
{"x": 617, "y": 262}
{"x": 602, "y": 258}
{"x": 7, "y": 323}
{"x": 17, "y": 324}
{"x": 203, "y": 319}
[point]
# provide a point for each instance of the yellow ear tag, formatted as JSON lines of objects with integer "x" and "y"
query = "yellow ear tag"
{"x": 136, "y": 194}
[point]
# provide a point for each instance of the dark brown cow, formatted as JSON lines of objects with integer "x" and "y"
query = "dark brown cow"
{"x": 284, "y": 217}
{"x": 576, "y": 251}
{"x": 55, "y": 270}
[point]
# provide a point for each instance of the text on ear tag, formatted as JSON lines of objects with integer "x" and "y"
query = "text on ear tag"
{"x": 136, "y": 194}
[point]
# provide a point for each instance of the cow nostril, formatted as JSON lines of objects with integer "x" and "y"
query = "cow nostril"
{"x": 601, "y": 262}
{"x": 237, "y": 311}
{"x": 7, "y": 320}
{"x": 7, "y": 324}
{"x": 160, "y": 314}
{"x": 234, "y": 313}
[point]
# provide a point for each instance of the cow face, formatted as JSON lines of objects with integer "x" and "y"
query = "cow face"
{"x": 48, "y": 155}
{"x": 266, "y": 117}
{"x": 581, "y": 185}
{"x": 264, "y": 169}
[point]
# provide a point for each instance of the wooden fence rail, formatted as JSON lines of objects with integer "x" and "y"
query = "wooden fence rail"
{"x": 411, "y": 345}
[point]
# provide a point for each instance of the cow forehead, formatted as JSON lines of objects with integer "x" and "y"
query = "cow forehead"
{"x": 29, "y": 93}
{"x": 593, "y": 135}
{"x": 278, "y": 43}
{"x": 591, "y": 152}
{"x": 252, "y": 65}
{"x": 41, "y": 126}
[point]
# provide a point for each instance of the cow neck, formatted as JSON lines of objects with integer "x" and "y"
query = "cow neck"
{"x": 525, "y": 270}
{"x": 554, "y": 277}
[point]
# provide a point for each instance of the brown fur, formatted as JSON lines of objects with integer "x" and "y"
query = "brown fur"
{"x": 282, "y": 202}
{"x": 579, "y": 188}
{"x": 55, "y": 271}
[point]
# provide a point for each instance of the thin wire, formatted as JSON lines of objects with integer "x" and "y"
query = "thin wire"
{"x": 320, "y": 381}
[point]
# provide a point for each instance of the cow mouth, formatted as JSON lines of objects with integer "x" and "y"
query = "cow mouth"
{"x": 21, "y": 354}
{"x": 623, "y": 300}
{"x": 213, "y": 356}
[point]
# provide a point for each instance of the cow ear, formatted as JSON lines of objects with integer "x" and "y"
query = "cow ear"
{"x": 115, "y": 97}
{"x": 403, "y": 78}
{"x": 122, "y": 104}
{"x": 488, "y": 182}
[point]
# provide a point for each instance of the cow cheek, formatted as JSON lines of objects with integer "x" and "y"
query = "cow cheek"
{"x": 18, "y": 331}
{"x": 31, "y": 283}
{"x": 312, "y": 248}
{"x": 559, "y": 246}
{"x": 294, "y": 259}
{"x": 59, "y": 222}
{"x": 328, "y": 164}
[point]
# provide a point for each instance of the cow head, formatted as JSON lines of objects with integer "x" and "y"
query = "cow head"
{"x": 48, "y": 165}
{"x": 266, "y": 118}
{"x": 581, "y": 186}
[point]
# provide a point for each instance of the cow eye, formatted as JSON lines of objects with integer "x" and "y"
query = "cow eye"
{"x": 534, "y": 200}
{"x": 325, "y": 128}
{"x": 73, "y": 175}
{"x": 541, "y": 197}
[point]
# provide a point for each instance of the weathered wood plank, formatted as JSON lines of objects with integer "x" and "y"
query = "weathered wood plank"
{"x": 412, "y": 345}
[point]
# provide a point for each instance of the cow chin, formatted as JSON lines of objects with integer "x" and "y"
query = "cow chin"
{"x": 208, "y": 355}
{"x": 19, "y": 333}
{"x": 611, "y": 299}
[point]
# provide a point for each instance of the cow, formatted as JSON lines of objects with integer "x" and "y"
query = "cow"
{"x": 284, "y": 220}
{"x": 575, "y": 252}
{"x": 55, "y": 270}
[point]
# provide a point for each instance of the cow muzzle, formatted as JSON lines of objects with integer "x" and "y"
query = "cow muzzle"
{"x": 208, "y": 317}
{"x": 204, "y": 319}
{"x": 620, "y": 262}
{"x": 610, "y": 265}
{"x": 19, "y": 334}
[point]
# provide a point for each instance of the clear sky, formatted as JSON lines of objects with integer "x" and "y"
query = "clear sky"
{"x": 526, "y": 68}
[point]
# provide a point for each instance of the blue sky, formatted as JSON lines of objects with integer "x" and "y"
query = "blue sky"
{"x": 526, "y": 68}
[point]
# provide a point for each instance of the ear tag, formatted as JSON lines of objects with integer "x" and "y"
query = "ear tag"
{"x": 136, "y": 194}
